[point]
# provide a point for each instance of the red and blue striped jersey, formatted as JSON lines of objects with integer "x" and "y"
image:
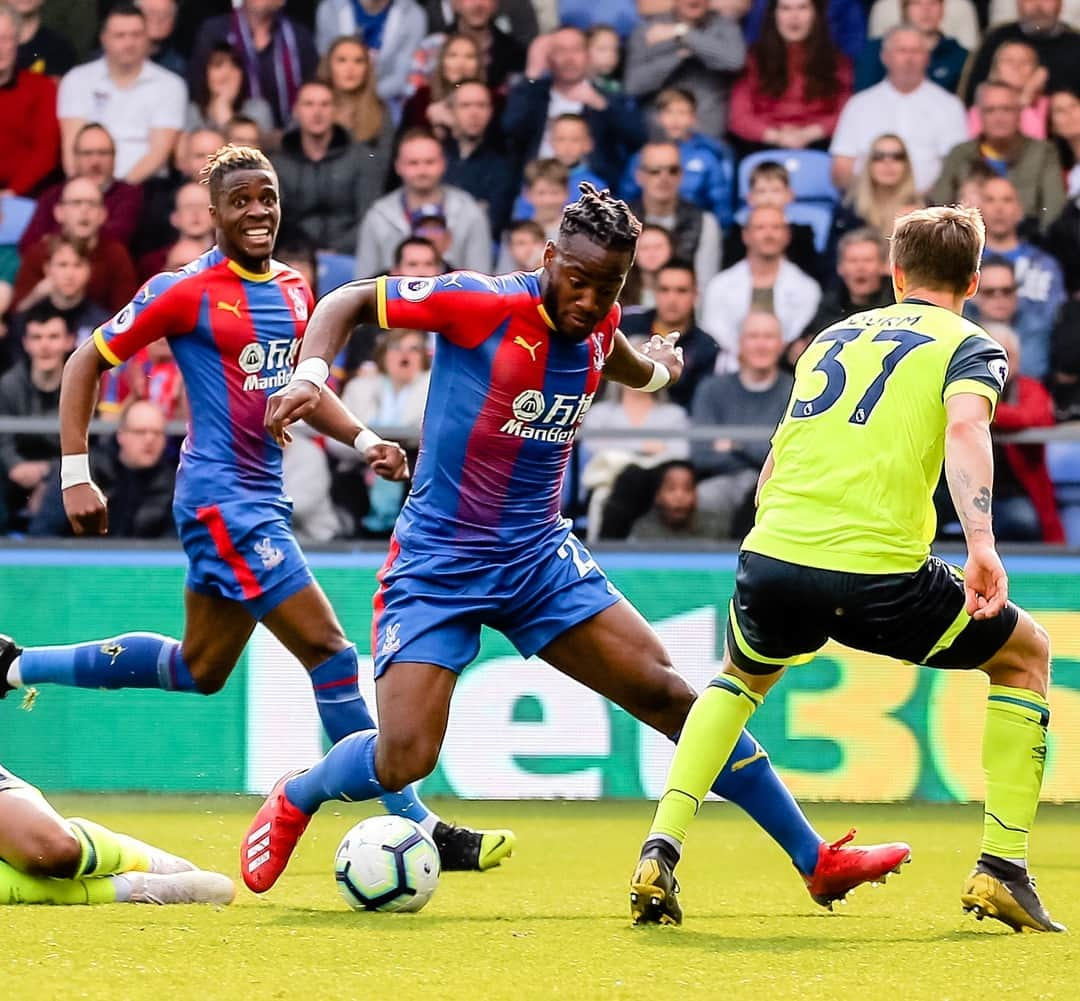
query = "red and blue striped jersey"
{"x": 506, "y": 399}
{"x": 235, "y": 336}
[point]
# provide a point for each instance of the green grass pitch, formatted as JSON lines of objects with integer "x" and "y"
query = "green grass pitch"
{"x": 553, "y": 922}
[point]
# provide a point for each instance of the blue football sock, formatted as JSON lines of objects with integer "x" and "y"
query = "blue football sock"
{"x": 749, "y": 781}
{"x": 343, "y": 711}
{"x": 134, "y": 660}
{"x": 346, "y": 772}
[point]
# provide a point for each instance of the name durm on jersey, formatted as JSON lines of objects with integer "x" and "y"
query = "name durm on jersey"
{"x": 563, "y": 416}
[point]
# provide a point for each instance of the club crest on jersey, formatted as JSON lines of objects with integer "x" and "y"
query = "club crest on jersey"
{"x": 299, "y": 302}
{"x": 391, "y": 641}
{"x": 269, "y": 554}
{"x": 416, "y": 289}
{"x": 598, "y": 353}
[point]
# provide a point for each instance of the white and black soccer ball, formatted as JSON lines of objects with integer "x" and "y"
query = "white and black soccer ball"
{"x": 387, "y": 864}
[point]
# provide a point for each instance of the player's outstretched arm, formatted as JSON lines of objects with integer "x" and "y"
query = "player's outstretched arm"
{"x": 333, "y": 419}
{"x": 969, "y": 470}
{"x": 84, "y": 503}
{"x": 331, "y": 323}
{"x": 658, "y": 364}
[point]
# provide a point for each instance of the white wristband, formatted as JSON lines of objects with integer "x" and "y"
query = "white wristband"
{"x": 660, "y": 378}
{"x": 365, "y": 440}
{"x": 313, "y": 370}
{"x": 74, "y": 469}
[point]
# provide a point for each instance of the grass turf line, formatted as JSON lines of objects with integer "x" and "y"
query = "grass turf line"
{"x": 553, "y": 921}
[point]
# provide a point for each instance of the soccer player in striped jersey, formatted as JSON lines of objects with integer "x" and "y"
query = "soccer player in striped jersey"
{"x": 841, "y": 549}
{"x": 480, "y": 540}
{"x": 45, "y": 859}
{"x": 234, "y": 318}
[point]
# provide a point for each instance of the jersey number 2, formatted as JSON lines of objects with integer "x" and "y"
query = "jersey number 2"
{"x": 836, "y": 377}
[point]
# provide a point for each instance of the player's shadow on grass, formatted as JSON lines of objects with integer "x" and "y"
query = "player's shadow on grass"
{"x": 860, "y": 932}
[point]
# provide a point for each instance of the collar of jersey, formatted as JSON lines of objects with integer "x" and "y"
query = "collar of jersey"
{"x": 251, "y": 276}
{"x": 544, "y": 315}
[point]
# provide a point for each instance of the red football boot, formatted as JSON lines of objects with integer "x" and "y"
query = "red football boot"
{"x": 841, "y": 868}
{"x": 271, "y": 838}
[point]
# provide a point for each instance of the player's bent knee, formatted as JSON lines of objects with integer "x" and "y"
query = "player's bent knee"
{"x": 54, "y": 852}
{"x": 401, "y": 762}
{"x": 1024, "y": 661}
{"x": 666, "y": 704}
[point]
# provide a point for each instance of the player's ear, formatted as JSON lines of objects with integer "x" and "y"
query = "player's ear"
{"x": 898, "y": 283}
{"x": 549, "y": 253}
{"x": 973, "y": 286}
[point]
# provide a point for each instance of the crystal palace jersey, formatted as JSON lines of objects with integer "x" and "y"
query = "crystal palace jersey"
{"x": 859, "y": 451}
{"x": 506, "y": 399}
{"x": 235, "y": 336}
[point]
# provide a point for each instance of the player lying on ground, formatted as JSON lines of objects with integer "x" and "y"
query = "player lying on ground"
{"x": 841, "y": 549}
{"x": 480, "y": 540}
{"x": 45, "y": 859}
{"x": 234, "y": 318}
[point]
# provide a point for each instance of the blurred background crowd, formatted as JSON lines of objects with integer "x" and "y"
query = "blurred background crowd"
{"x": 767, "y": 146}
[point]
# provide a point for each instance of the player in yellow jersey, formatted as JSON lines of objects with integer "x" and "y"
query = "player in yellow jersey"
{"x": 841, "y": 549}
{"x": 45, "y": 859}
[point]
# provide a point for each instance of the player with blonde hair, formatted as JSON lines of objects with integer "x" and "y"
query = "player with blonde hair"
{"x": 841, "y": 550}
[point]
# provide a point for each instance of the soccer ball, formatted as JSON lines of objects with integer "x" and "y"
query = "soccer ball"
{"x": 387, "y": 864}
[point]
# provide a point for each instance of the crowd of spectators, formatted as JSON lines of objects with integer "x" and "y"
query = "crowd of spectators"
{"x": 767, "y": 146}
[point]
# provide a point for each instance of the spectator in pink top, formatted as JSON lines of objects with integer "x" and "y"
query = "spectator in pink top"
{"x": 1017, "y": 64}
{"x": 795, "y": 82}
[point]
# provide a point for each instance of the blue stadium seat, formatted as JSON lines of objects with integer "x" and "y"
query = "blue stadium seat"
{"x": 1063, "y": 463}
{"x": 15, "y": 214}
{"x": 816, "y": 215}
{"x": 334, "y": 270}
{"x": 809, "y": 170}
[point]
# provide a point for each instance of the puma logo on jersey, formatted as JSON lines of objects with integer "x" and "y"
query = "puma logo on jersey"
{"x": 233, "y": 308}
{"x": 531, "y": 348}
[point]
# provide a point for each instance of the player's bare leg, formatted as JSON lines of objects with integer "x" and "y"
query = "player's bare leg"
{"x": 617, "y": 654}
{"x": 216, "y": 630}
{"x": 48, "y": 859}
{"x": 1014, "y": 751}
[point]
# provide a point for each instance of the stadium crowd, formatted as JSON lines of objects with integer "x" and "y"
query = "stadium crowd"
{"x": 767, "y": 145}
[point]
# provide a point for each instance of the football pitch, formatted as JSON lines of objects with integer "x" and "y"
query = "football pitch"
{"x": 553, "y": 921}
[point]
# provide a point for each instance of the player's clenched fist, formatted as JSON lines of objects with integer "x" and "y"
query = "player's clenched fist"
{"x": 666, "y": 352}
{"x": 289, "y": 405}
{"x": 387, "y": 459}
{"x": 85, "y": 507}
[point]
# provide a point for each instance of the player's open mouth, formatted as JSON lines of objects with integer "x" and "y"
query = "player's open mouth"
{"x": 257, "y": 234}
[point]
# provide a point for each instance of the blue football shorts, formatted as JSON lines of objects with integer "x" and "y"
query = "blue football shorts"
{"x": 429, "y": 607}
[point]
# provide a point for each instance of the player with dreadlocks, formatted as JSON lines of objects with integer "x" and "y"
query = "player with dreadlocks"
{"x": 234, "y": 318}
{"x": 480, "y": 540}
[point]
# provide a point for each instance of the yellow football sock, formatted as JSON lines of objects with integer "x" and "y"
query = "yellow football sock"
{"x": 105, "y": 852}
{"x": 19, "y": 888}
{"x": 1014, "y": 755}
{"x": 706, "y": 742}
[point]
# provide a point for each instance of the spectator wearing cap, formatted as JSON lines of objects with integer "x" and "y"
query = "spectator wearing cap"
{"x": 327, "y": 181}
{"x": 42, "y": 50}
{"x": 27, "y": 117}
{"x": 421, "y": 165}
{"x": 141, "y": 104}
{"x": 278, "y": 53}
{"x": 474, "y": 161}
{"x": 93, "y": 157}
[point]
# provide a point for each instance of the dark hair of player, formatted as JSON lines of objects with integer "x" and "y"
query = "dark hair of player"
{"x": 230, "y": 158}
{"x": 602, "y": 218}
